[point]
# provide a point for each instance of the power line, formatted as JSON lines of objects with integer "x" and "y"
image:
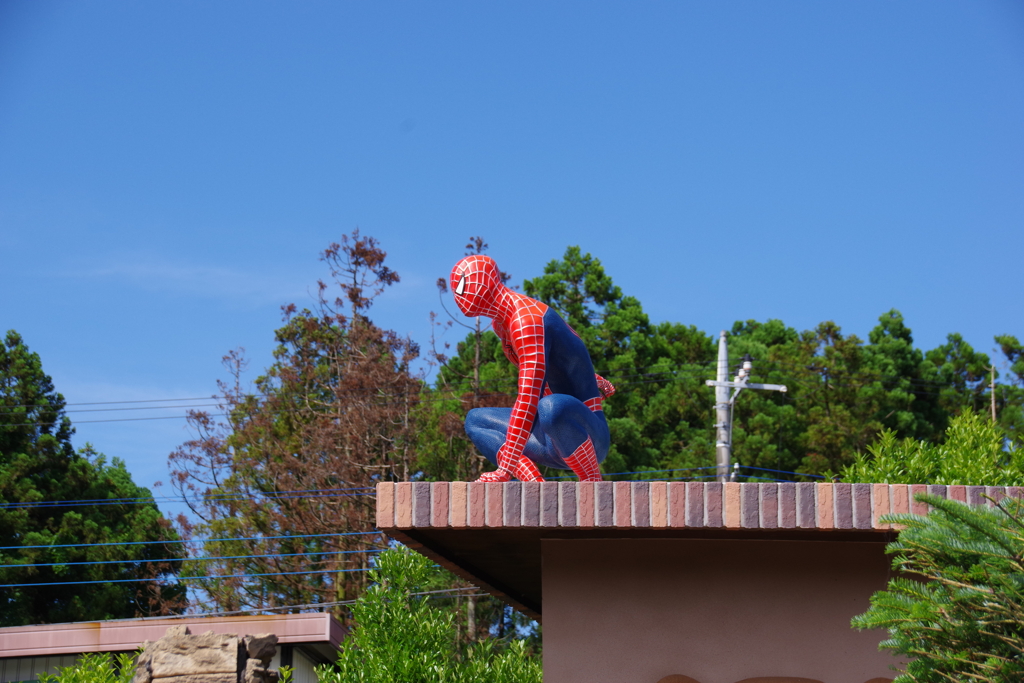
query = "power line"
{"x": 688, "y": 369}
{"x": 190, "y": 559}
{"x": 123, "y": 419}
{"x": 489, "y": 383}
{"x": 652, "y": 378}
{"x": 109, "y": 410}
{"x": 106, "y": 403}
{"x": 499, "y": 382}
{"x": 227, "y": 497}
{"x": 183, "y": 578}
{"x": 420, "y": 400}
{"x": 763, "y": 469}
{"x": 194, "y": 540}
{"x": 868, "y": 374}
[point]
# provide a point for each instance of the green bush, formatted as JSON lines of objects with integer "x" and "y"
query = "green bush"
{"x": 973, "y": 453}
{"x": 402, "y": 636}
{"x": 95, "y": 668}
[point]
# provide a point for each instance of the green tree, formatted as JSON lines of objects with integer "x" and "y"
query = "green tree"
{"x": 660, "y": 415}
{"x": 577, "y": 288}
{"x": 401, "y": 634}
{"x": 831, "y": 405}
{"x": 1010, "y": 394}
{"x": 843, "y": 392}
{"x": 961, "y": 374}
{"x": 965, "y": 620}
{"x": 972, "y": 453}
{"x": 902, "y": 388}
{"x": 46, "y": 542}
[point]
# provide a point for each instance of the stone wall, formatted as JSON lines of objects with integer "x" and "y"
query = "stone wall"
{"x": 181, "y": 657}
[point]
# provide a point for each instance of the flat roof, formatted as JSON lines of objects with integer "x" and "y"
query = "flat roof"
{"x": 491, "y": 533}
{"x": 318, "y": 630}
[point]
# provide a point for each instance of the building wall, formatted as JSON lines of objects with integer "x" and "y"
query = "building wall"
{"x": 18, "y": 669}
{"x": 27, "y": 669}
{"x": 302, "y": 664}
{"x": 718, "y": 611}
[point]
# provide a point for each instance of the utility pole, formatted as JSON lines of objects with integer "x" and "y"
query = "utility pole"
{"x": 723, "y": 443}
{"x": 724, "y": 404}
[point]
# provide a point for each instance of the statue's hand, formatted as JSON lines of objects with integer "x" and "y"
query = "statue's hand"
{"x": 604, "y": 386}
{"x": 520, "y": 467}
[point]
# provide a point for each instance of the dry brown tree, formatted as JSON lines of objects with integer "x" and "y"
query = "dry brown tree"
{"x": 286, "y": 474}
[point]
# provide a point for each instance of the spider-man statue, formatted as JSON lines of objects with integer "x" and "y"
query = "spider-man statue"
{"x": 557, "y": 419}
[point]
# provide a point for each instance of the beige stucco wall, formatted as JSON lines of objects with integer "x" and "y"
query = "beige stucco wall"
{"x": 719, "y": 611}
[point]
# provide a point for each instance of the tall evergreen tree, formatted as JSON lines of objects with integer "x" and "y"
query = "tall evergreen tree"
{"x": 1010, "y": 394}
{"x": 842, "y": 392}
{"x": 960, "y": 376}
{"x": 47, "y": 540}
{"x": 659, "y": 416}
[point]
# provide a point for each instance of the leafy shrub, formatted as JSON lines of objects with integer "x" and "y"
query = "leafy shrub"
{"x": 973, "y": 453}
{"x": 95, "y": 668}
{"x": 401, "y": 636}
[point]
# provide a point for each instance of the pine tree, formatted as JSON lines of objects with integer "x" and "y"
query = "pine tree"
{"x": 965, "y": 621}
{"x": 1010, "y": 394}
{"x": 45, "y": 542}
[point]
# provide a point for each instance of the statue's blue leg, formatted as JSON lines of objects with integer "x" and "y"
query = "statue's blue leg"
{"x": 563, "y": 423}
{"x": 486, "y": 428}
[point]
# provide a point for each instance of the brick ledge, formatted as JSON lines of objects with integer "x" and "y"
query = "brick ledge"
{"x": 659, "y": 504}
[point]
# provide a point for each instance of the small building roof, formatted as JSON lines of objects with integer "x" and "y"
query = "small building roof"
{"x": 318, "y": 631}
{"x": 491, "y": 533}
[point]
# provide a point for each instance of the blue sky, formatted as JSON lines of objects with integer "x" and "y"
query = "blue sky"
{"x": 170, "y": 171}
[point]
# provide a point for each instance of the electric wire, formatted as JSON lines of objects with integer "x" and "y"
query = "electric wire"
{"x": 185, "y": 578}
{"x": 876, "y": 376}
{"x": 197, "y": 540}
{"x": 789, "y": 380}
{"x": 142, "y": 500}
{"x": 420, "y": 400}
{"x": 191, "y": 559}
{"x": 493, "y": 383}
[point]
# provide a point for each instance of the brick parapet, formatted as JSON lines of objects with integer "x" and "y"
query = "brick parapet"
{"x": 621, "y": 504}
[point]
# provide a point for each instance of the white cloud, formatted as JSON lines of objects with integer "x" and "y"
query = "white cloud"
{"x": 257, "y": 288}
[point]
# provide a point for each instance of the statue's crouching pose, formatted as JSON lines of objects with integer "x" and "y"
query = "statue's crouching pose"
{"x": 557, "y": 418}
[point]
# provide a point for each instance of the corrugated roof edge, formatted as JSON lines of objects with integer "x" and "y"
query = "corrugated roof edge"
{"x": 121, "y": 635}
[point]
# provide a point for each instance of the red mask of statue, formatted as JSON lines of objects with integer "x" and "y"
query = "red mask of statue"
{"x": 476, "y": 283}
